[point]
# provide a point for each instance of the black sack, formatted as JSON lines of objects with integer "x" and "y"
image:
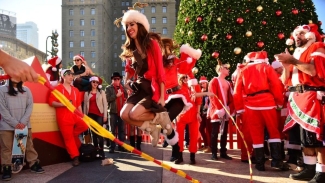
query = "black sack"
{"x": 87, "y": 152}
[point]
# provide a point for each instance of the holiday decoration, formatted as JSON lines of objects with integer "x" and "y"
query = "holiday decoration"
{"x": 320, "y": 22}
{"x": 259, "y": 8}
{"x": 294, "y": 11}
{"x": 278, "y": 13}
{"x": 260, "y": 44}
{"x": 310, "y": 21}
{"x": 247, "y": 11}
{"x": 204, "y": 37}
{"x": 280, "y": 35}
{"x": 264, "y": 22}
{"x": 219, "y": 19}
{"x": 195, "y": 70}
{"x": 237, "y": 50}
{"x": 215, "y": 54}
{"x": 199, "y": 19}
{"x": 187, "y": 19}
{"x": 240, "y": 20}
{"x": 228, "y": 36}
{"x": 249, "y": 33}
{"x": 189, "y": 33}
{"x": 302, "y": 10}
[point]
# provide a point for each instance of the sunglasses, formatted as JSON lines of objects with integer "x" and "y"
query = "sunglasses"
{"x": 77, "y": 60}
{"x": 185, "y": 77}
{"x": 116, "y": 79}
{"x": 95, "y": 82}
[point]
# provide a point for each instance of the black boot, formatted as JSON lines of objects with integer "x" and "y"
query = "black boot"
{"x": 180, "y": 158}
{"x": 277, "y": 162}
{"x": 283, "y": 155}
{"x": 266, "y": 148}
{"x": 259, "y": 158}
{"x": 293, "y": 156}
{"x": 192, "y": 158}
{"x": 165, "y": 144}
{"x": 6, "y": 173}
{"x": 132, "y": 141}
{"x": 175, "y": 152}
{"x": 318, "y": 178}
{"x": 139, "y": 140}
{"x": 307, "y": 174}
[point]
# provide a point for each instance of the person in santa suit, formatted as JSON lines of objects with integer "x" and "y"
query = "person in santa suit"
{"x": 304, "y": 75}
{"x": 52, "y": 71}
{"x": 219, "y": 118}
{"x": 263, "y": 90}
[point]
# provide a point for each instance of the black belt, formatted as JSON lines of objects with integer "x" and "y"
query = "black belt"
{"x": 258, "y": 92}
{"x": 171, "y": 90}
{"x": 303, "y": 88}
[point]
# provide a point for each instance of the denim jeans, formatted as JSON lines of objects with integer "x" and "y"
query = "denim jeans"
{"x": 97, "y": 139}
{"x": 116, "y": 121}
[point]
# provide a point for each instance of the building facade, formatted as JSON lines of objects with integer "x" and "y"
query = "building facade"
{"x": 28, "y": 33}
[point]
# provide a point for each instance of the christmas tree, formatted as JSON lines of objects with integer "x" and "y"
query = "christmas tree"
{"x": 229, "y": 29}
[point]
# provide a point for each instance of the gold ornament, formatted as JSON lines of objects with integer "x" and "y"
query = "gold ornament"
{"x": 259, "y": 8}
{"x": 189, "y": 33}
{"x": 214, "y": 37}
{"x": 197, "y": 1}
{"x": 237, "y": 50}
{"x": 275, "y": 1}
{"x": 291, "y": 48}
{"x": 195, "y": 70}
{"x": 249, "y": 33}
{"x": 219, "y": 19}
{"x": 310, "y": 21}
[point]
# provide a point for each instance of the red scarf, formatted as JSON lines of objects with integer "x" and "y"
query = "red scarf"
{"x": 119, "y": 100}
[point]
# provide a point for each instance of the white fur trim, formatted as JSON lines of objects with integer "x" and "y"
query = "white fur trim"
{"x": 187, "y": 104}
{"x": 293, "y": 146}
{"x": 135, "y": 16}
{"x": 77, "y": 57}
{"x": 318, "y": 54}
{"x": 58, "y": 60}
{"x": 261, "y": 108}
{"x": 241, "y": 111}
{"x": 261, "y": 60}
{"x": 221, "y": 113}
{"x": 274, "y": 140}
{"x": 289, "y": 42}
{"x": 192, "y": 82}
{"x": 93, "y": 78}
{"x": 54, "y": 69}
{"x": 258, "y": 145}
{"x": 196, "y": 54}
{"x": 246, "y": 58}
{"x": 310, "y": 36}
{"x": 276, "y": 64}
{"x": 203, "y": 81}
{"x": 310, "y": 160}
{"x": 100, "y": 86}
{"x": 320, "y": 167}
{"x": 189, "y": 60}
{"x": 172, "y": 141}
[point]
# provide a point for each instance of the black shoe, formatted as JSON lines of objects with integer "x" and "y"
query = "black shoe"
{"x": 172, "y": 159}
{"x": 75, "y": 161}
{"x": 252, "y": 160}
{"x": 318, "y": 178}
{"x": 307, "y": 173}
{"x": 139, "y": 141}
{"x": 6, "y": 173}
{"x": 192, "y": 159}
{"x": 37, "y": 168}
{"x": 214, "y": 156}
{"x": 180, "y": 158}
{"x": 121, "y": 149}
{"x": 111, "y": 151}
{"x": 165, "y": 144}
{"x": 225, "y": 156}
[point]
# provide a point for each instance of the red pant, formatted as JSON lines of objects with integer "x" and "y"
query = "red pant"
{"x": 244, "y": 128}
{"x": 257, "y": 121}
{"x": 70, "y": 130}
{"x": 193, "y": 131}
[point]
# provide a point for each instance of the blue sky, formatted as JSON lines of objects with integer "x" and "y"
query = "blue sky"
{"x": 47, "y": 15}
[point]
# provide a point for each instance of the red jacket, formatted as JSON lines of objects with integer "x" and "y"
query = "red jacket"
{"x": 191, "y": 114}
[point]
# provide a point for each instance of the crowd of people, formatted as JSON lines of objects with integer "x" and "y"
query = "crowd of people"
{"x": 278, "y": 106}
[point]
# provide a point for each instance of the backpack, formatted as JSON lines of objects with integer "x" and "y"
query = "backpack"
{"x": 87, "y": 152}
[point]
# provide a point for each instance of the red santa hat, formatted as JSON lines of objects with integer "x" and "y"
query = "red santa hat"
{"x": 203, "y": 79}
{"x": 276, "y": 64}
{"x": 260, "y": 57}
{"x": 78, "y": 57}
{"x": 54, "y": 62}
{"x": 98, "y": 79}
{"x": 250, "y": 56}
{"x": 135, "y": 16}
{"x": 311, "y": 31}
{"x": 189, "y": 52}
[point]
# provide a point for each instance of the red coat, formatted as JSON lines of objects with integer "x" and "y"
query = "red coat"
{"x": 216, "y": 109}
{"x": 253, "y": 78}
{"x": 191, "y": 114}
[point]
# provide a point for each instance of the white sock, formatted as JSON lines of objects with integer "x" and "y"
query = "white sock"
{"x": 320, "y": 167}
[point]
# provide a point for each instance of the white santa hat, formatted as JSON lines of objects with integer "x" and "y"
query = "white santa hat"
{"x": 54, "y": 62}
{"x": 135, "y": 16}
{"x": 276, "y": 64}
{"x": 311, "y": 31}
{"x": 95, "y": 78}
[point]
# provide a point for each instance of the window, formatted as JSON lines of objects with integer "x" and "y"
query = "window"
{"x": 82, "y": 33}
{"x": 82, "y": 53}
{"x": 153, "y": 9}
{"x": 82, "y": 22}
{"x": 92, "y": 22}
{"x": 92, "y": 11}
{"x": 115, "y": 64}
{"x": 82, "y": 43}
{"x": 92, "y": 32}
{"x": 82, "y": 11}
{"x": 71, "y": 33}
{"x": 70, "y": 11}
{"x": 153, "y": 20}
{"x": 127, "y": 3}
{"x": 115, "y": 46}
{"x": 71, "y": 44}
{"x": 123, "y": 64}
{"x": 123, "y": 37}
{"x": 70, "y": 22}
{"x": 153, "y": 29}
{"x": 92, "y": 43}
{"x": 164, "y": 31}
{"x": 164, "y": 20}
{"x": 115, "y": 55}
{"x": 123, "y": 3}
{"x": 93, "y": 54}
{"x": 164, "y": 9}
{"x": 142, "y": 10}
{"x": 71, "y": 54}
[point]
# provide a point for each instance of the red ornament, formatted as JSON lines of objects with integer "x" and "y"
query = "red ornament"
{"x": 229, "y": 10}
{"x": 204, "y": 37}
{"x": 187, "y": 19}
{"x": 240, "y": 20}
{"x": 302, "y": 1}
{"x": 280, "y": 35}
{"x": 278, "y": 12}
{"x": 247, "y": 11}
{"x": 228, "y": 36}
{"x": 320, "y": 22}
{"x": 264, "y": 22}
{"x": 260, "y": 44}
{"x": 199, "y": 19}
{"x": 302, "y": 10}
{"x": 215, "y": 54}
{"x": 295, "y": 11}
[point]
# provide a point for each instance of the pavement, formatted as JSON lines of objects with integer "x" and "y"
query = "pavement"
{"x": 131, "y": 168}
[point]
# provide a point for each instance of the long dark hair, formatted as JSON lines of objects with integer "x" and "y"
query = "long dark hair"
{"x": 144, "y": 38}
{"x": 168, "y": 62}
{"x": 11, "y": 89}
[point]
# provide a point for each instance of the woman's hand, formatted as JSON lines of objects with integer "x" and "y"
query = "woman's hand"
{"x": 127, "y": 85}
{"x": 198, "y": 117}
{"x": 161, "y": 101}
{"x": 105, "y": 119}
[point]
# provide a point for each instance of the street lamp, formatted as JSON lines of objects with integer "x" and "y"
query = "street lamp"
{"x": 55, "y": 44}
